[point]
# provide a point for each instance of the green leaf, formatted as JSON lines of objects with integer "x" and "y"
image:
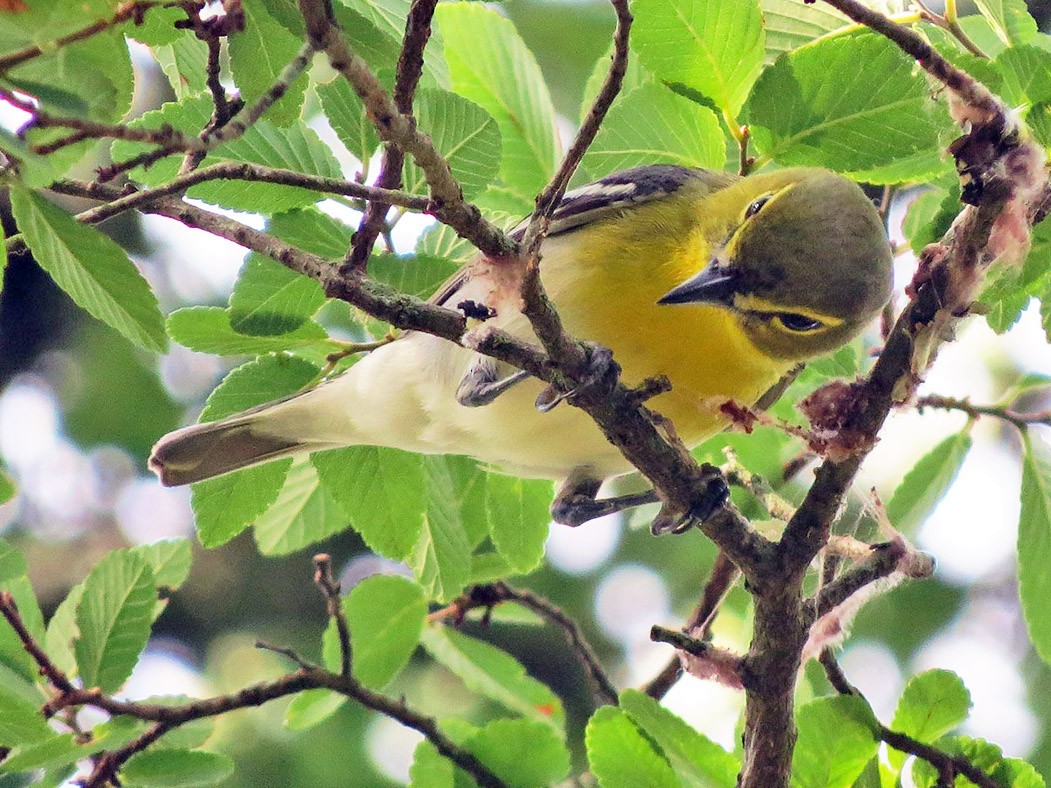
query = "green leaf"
{"x": 648, "y": 126}
{"x": 792, "y": 23}
{"x": 519, "y": 516}
{"x": 416, "y": 274}
{"x": 522, "y": 753}
{"x": 441, "y": 557}
{"x": 62, "y": 749}
{"x": 697, "y": 760}
{"x": 303, "y": 513}
{"x": 925, "y": 485}
{"x": 490, "y": 65}
{"x": 270, "y": 299}
{"x": 223, "y": 507}
{"x": 932, "y": 704}
{"x": 312, "y": 707}
{"x": 621, "y": 756}
{"x": 464, "y": 133}
{"x": 21, "y": 721}
{"x": 159, "y": 27}
{"x": 62, "y": 631}
{"x": 1034, "y": 545}
{"x": 459, "y": 486}
{"x": 877, "y": 112}
{"x": 930, "y": 215}
{"x": 13, "y": 655}
{"x": 12, "y": 564}
{"x": 380, "y": 490}
{"x": 207, "y": 329}
{"x": 346, "y": 113}
{"x": 188, "y": 736}
{"x": 295, "y": 148}
{"x": 170, "y": 560}
{"x": 185, "y": 64}
{"x": 89, "y": 266}
{"x": 313, "y": 231}
{"x": 430, "y": 769}
{"x": 114, "y": 618}
{"x": 386, "y": 615}
{"x": 837, "y": 738}
{"x": 258, "y": 54}
{"x": 175, "y": 769}
{"x": 1026, "y": 72}
{"x": 713, "y": 48}
{"x": 1009, "y": 19}
{"x": 495, "y": 674}
{"x": 635, "y": 77}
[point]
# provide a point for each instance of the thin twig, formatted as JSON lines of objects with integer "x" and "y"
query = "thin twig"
{"x": 48, "y": 669}
{"x": 396, "y": 127}
{"x": 109, "y": 764}
{"x": 948, "y": 766}
{"x": 1020, "y": 420}
{"x": 406, "y": 79}
{"x": 604, "y": 688}
{"x": 329, "y": 586}
{"x": 134, "y": 11}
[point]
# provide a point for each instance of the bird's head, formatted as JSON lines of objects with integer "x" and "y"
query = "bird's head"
{"x": 805, "y": 266}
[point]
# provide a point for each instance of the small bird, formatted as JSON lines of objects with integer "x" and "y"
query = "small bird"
{"x": 719, "y": 282}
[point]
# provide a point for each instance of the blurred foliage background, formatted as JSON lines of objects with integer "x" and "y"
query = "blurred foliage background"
{"x": 79, "y": 409}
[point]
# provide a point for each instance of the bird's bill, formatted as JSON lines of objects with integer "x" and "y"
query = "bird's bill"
{"x": 715, "y": 284}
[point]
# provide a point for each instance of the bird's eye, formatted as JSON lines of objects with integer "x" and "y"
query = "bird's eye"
{"x": 756, "y": 206}
{"x": 799, "y": 323}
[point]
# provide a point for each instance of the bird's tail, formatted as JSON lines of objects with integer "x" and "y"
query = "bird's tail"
{"x": 268, "y": 432}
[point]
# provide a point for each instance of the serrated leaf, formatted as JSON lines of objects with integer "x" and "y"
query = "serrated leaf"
{"x": 62, "y": 749}
{"x": 13, "y": 655}
{"x": 303, "y": 513}
{"x": 1034, "y": 544}
{"x": 269, "y": 299}
{"x": 381, "y": 491}
{"x": 440, "y": 240}
{"x": 792, "y": 23}
{"x": 648, "y": 126}
{"x": 170, "y": 560}
{"x": 931, "y": 705}
{"x": 114, "y": 618}
{"x": 1010, "y": 19}
{"x": 346, "y": 113}
{"x": 416, "y": 274}
{"x": 1026, "y": 72}
{"x": 495, "y": 674}
{"x": 635, "y": 77}
{"x": 429, "y": 769}
{"x": 207, "y": 329}
{"x": 185, "y": 64}
{"x": 458, "y": 485}
{"x": 837, "y": 739}
{"x": 91, "y": 268}
{"x": 175, "y": 769}
{"x": 21, "y": 721}
{"x": 877, "y": 112}
{"x": 12, "y": 564}
{"x": 386, "y": 615}
{"x": 464, "y": 133}
{"x": 696, "y": 759}
{"x": 441, "y": 557}
{"x": 620, "y": 756}
{"x": 295, "y": 148}
{"x": 490, "y": 65}
{"x": 519, "y": 516}
{"x": 62, "y": 631}
{"x": 312, "y": 230}
{"x": 312, "y": 707}
{"x": 522, "y": 753}
{"x": 928, "y": 481}
{"x": 258, "y": 54}
{"x": 713, "y": 48}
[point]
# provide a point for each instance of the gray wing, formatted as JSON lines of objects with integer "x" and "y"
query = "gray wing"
{"x": 606, "y": 197}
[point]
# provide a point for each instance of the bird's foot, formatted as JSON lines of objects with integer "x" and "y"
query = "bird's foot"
{"x": 601, "y": 370}
{"x": 714, "y": 495}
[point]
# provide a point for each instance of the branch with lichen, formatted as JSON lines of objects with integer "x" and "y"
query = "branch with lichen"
{"x": 169, "y": 717}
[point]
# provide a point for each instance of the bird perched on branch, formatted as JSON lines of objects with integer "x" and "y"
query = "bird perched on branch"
{"x": 720, "y": 283}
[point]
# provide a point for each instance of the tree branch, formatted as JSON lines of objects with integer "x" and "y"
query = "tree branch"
{"x": 330, "y": 589}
